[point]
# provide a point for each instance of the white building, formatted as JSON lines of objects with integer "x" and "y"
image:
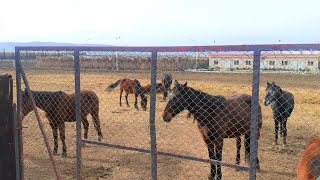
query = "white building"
{"x": 289, "y": 62}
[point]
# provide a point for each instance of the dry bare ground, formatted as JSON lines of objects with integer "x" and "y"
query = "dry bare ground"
{"x": 130, "y": 127}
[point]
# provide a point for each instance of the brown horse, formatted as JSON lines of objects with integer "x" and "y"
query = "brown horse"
{"x": 60, "y": 107}
{"x": 217, "y": 118}
{"x": 309, "y": 164}
{"x": 132, "y": 87}
{"x": 147, "y": 89}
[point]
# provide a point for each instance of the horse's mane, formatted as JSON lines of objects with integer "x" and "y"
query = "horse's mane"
{"x": 205, "y": 96}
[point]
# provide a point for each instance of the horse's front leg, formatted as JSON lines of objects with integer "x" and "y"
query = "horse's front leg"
{"x": 238, "y": 151}
{"x": 135, "y": 101}
{"x": 55, "y": 137}
{"x": 63, "y": 137}
{"x": 212, "y": 156}
{"x": 219, "y": 146}
{"x": 276, "y": 130}
{"x": 127, "y": 94}
{"x": 121, "y": 91}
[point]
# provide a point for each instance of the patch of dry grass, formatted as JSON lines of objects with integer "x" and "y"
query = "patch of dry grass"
{"x": 127, "y": 126}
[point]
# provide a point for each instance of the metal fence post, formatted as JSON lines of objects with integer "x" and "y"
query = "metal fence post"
{"x": 254, "y": 114}
{"x": 19, "y": 121}
{"x": 78, "y": 112}
{"x": 153, "y": 139}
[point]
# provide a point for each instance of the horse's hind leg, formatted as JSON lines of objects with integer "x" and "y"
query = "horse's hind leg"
{"x": 238, "y": 151}
{"x": 63, "y": 137}
{"x": 85, "y": 126}
{"x": 96, "y": 122}
{"x": 285, "y": 133}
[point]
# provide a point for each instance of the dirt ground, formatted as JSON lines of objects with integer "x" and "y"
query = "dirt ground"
{"x": 130, "y": 127}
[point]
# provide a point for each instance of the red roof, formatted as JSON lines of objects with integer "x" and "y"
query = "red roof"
{"x": 264, "y": 55}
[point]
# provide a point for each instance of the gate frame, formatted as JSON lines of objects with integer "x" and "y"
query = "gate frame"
{"x": 256, "y": 49}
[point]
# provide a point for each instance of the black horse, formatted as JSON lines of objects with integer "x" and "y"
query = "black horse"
{"x": 217, "y": 117}
{"x": 282, "y": 104}
{"x": 166, "y": 83}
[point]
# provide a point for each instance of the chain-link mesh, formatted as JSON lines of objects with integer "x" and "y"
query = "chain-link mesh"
{"x": 211, "y": 114}
{"x": 50, "y": 87}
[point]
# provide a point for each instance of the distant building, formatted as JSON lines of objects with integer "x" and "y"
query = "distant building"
{"x": 288, "y": 62}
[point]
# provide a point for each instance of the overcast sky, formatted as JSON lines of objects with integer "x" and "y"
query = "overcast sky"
{"x": 165, "y": 22}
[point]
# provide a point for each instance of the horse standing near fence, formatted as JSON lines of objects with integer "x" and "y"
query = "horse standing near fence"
{"x": 217, "y": 118}
{"x": 309, "y": 163}
{"x": 282, "y": 104}
{"x": 166, "y": 83}
{"x": 132, "y": 87}
{"x": 60, "y": 108}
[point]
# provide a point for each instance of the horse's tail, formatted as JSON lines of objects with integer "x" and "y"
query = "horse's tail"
{"x": 113, "y": 85}
{"x": 247, "y": 147}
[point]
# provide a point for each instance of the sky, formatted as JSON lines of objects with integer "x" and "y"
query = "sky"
{"x": 161, "y": 23}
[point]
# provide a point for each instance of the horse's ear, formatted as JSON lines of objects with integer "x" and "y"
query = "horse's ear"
{"x": 268, "y": 84}
{"x": 176, "y": 82}
{"x": 185, "y": 84}
{"x": 273, "y": 83}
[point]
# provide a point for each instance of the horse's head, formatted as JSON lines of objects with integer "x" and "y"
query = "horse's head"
{"x": 273, "y": 92}
{"x": 177, "y": 101}
{"x": 26, "y": 103}
{"x": 144, "y": 102}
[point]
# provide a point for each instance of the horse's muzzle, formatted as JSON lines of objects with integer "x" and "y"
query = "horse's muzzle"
{"x": 166, "y": 117}
{"x": 266, "y": 102}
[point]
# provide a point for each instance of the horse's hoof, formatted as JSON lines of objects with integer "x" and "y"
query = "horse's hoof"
{"x": 55, "y": 153}
{"x": 274, "y": 143}
{"x": 210, "y": 177}
{"x": 99, "y": 138}
{"x": 284, "y": 146}
{"x": 64, "y": 154}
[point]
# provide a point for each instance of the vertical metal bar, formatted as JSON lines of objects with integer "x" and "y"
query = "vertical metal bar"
{"x": 78, "y": 112}
{"x": 18, "y": 89}
{"x": 153, "y": 139}
{"x": 16, "y": 141}
{"x": 254, "y": 114}
{"x": 45, "y": 138}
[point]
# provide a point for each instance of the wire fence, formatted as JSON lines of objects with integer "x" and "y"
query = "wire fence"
{"x": 174, "y": 108}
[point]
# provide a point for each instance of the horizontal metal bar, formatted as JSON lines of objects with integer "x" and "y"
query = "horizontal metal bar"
{"x": 166, "y": 154}
{"x": 259, "y": 47}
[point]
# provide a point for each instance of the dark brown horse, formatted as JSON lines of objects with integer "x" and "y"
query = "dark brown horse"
{"x": 309, "y": 163}
{"x": 132, "y": 87}
{"x": 217, "y": 118}
{"x": 166, "y": 82}
{"x": 60, "y": 107}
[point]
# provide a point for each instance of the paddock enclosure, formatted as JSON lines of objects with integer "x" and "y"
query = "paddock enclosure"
{"x": 138, "y": 144}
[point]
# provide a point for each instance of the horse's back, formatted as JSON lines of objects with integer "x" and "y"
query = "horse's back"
{"x": 289, "y": 100}
{"x": 309, "y": 162}
{"x": 239, "y": 117}
{"x": 284, "y": 105}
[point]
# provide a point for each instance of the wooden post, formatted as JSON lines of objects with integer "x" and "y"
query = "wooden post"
{"x": 7, "y": 149}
